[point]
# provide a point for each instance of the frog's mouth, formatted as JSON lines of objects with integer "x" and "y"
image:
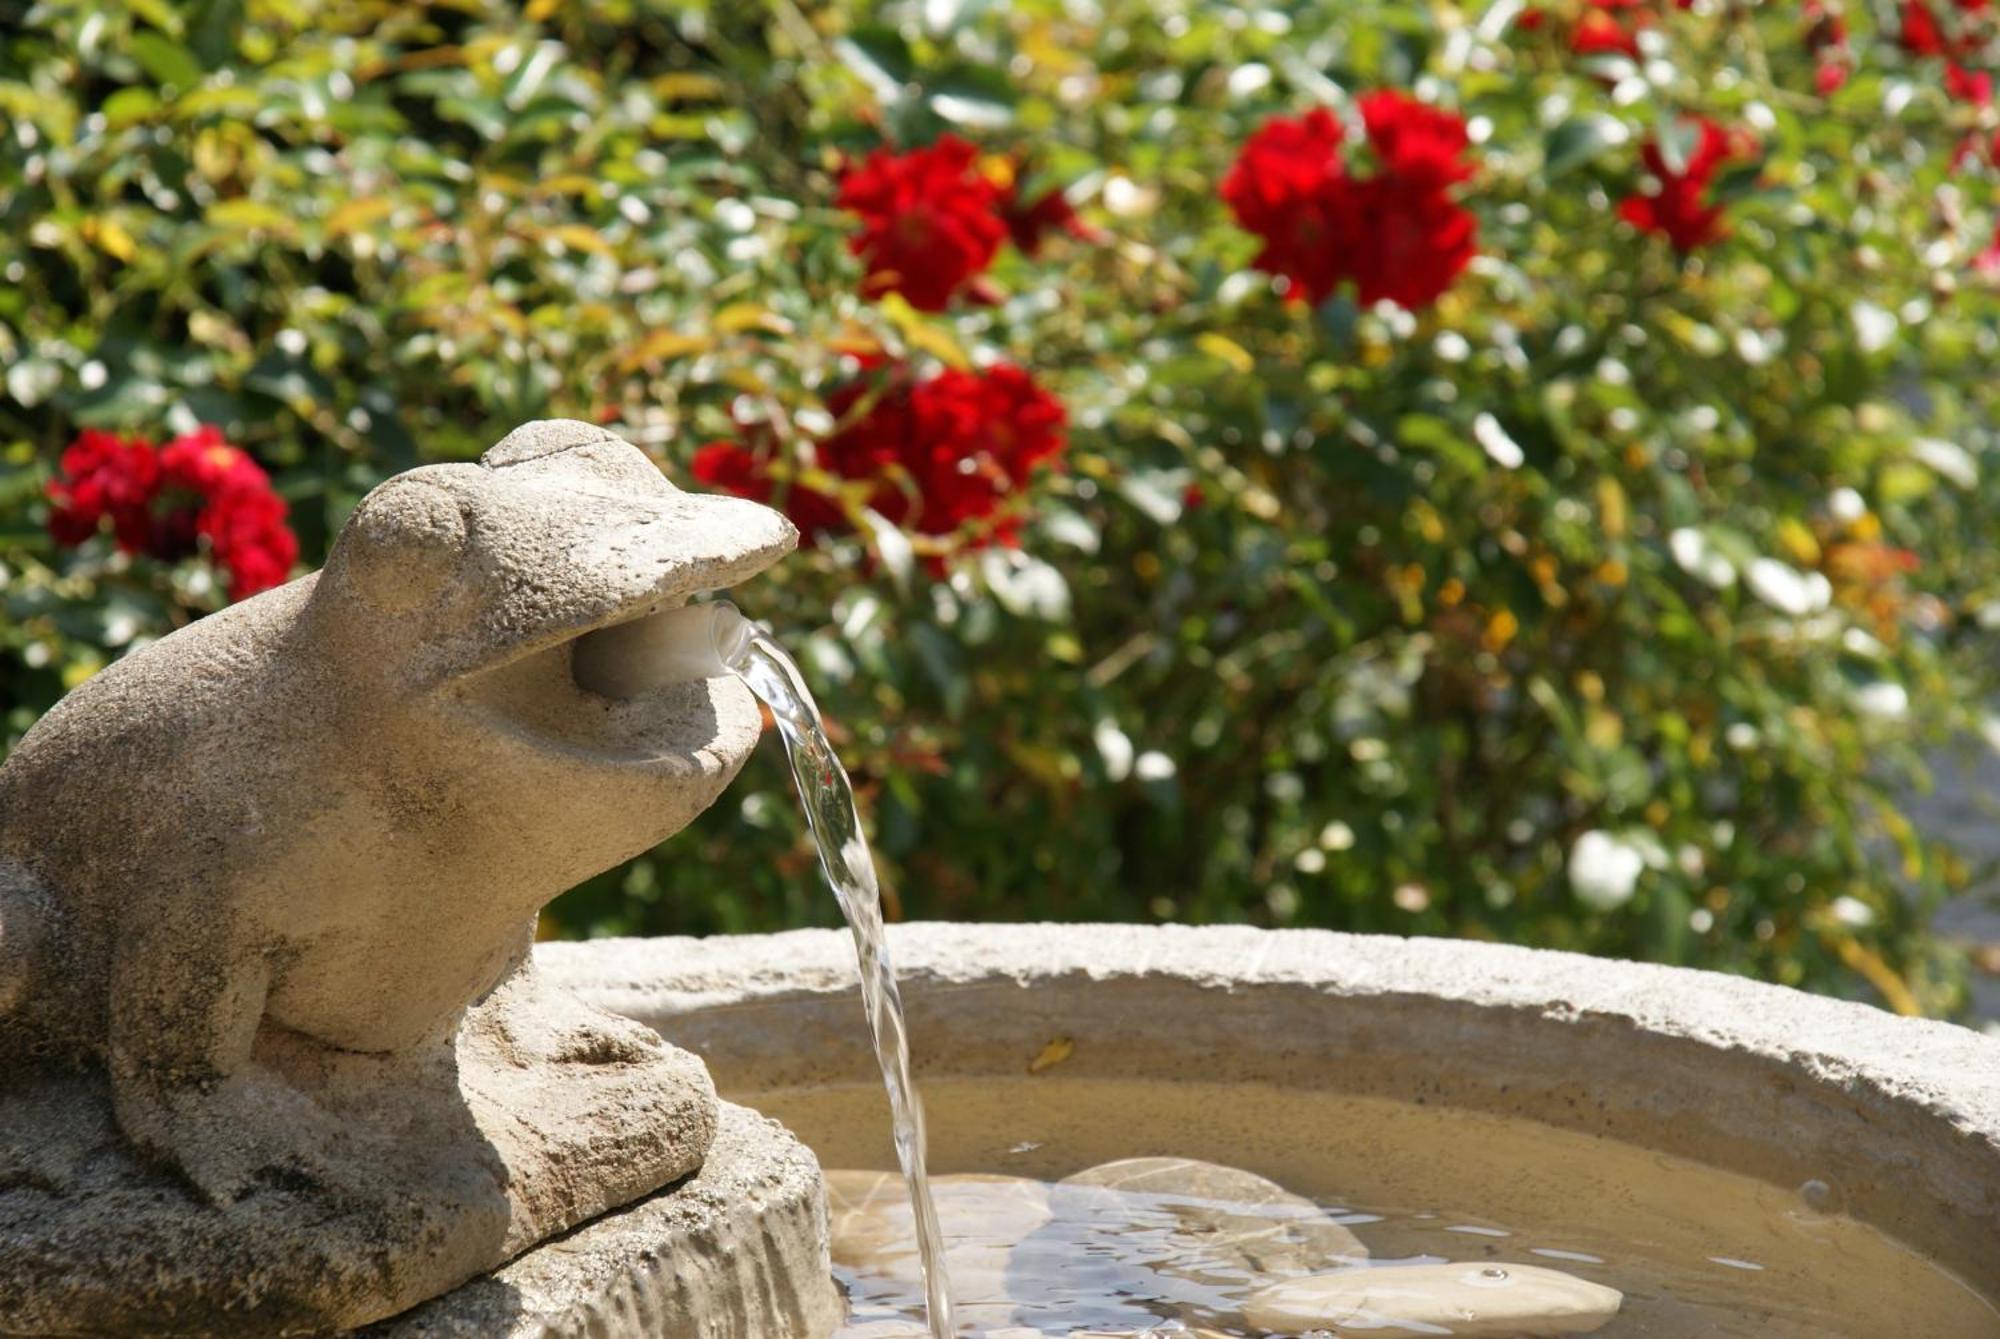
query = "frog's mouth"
{"x": 605, "y": 696}
{"x": 577, "y": 544}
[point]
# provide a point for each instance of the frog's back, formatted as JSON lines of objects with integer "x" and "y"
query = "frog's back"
{"x": 96, "y": 801}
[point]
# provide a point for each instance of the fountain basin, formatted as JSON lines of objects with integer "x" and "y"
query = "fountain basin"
{"x": 1757, "y": 1080}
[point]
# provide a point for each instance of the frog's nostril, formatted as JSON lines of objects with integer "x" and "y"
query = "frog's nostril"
{"x": 673, "y": 646}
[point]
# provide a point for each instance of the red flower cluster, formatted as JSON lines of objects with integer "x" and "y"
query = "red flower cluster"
{"x": 1609, "y": 28}
{"x": 1826, "y": 42}
{"x": 163, "y": 501}
{"x": 941, "y": 456}
{"x": 1605, "y": 27}
{"x": 1680, "y": 211}
{"x": 1924, "y": 34}
{"x": 1396, "y": 234}
{"x": 931, "y": 221}
{"x": 1975, "y": 90}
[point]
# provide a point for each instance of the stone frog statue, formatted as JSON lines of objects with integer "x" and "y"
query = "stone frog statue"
{"x": 302, "y": 836}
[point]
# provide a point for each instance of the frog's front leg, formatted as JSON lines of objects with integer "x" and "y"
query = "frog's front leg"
{"x": 183, "y": 1023}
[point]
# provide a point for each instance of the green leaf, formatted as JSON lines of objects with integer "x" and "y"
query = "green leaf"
{"x": 1579, "y": 140}
{"x": 880, "y": 58}
{"x": 167, "y": 62}
{"x": 129, "y": 106}
{"x": 212, "y": 29}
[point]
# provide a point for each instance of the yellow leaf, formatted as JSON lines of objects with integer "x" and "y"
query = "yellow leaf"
{"x": 662, "y": 346}
{"x": 1052, "y": 1055}
{"x": 574, "y": 183}
{"x": 938, "y": 343}
{"x": 1798, "y": 541}
{"x": 1611, "y": 509}
{"x": 1429, "y": 524}
{"x": 110, "y": 237}
{"x": 1226, "y": 350}
{"x": 921, "y": 333}
{"x": 579, "y": 238}
{"x": 354, "y": 215}
{"x": 741, "y": 316}
{"x": 1500, "y": 630}
{"x": 539, "y": 11}
{"x": 1895, "y": 992}
{"x": 687, "y": 87}
{"x": 251, "y": 216}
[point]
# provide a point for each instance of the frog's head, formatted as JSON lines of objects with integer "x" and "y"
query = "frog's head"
{"x": 464, "y": 591}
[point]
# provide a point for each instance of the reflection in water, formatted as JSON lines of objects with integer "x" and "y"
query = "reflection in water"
{"x": 1406, "y": 1183}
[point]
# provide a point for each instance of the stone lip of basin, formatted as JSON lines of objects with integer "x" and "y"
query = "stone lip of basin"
{"x": 1903, "y": 1114}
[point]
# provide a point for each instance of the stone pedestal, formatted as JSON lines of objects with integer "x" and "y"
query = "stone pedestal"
{"x": 736, "y": 1251}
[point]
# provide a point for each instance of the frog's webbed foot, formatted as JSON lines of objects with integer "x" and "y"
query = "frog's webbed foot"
{"x": 534, "y": 1023}
{"x": 235, "y": 1136}
{"x": 185, "y": 1009}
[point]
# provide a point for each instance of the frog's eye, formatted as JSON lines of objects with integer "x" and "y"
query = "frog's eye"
{"x": 402, "y": 544}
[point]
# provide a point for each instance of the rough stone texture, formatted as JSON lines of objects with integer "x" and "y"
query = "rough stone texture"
{"x": 737, "y": 1251}
{"x": 253, "y": 876}
{"x": 1747, "y": 1077}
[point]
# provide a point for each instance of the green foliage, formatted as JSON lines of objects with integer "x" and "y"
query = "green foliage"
{"x": 1337, "y": 617}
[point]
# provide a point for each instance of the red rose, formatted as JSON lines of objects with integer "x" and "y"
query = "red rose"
{"x": 1679, "y": 210}
{"x": 1413, "y": 244}
{"x": 1921, "y": 35}
{"x": 978, "y": 438}
{"x": 103, "y": 476}
{"x": 1963, "y": 85}
{"x": 229, "y": 499}
{"x": 164, "y": 501}
{"x": 1396, "y": 234}
{"x": 248, "y": 537}
{"x": 1415, "y": 142}
{"x": 929, "y": 221}
{"x": 1283, "y": 168}
{"x": 941, "y": 457}
{"x": 1597, "y": 33}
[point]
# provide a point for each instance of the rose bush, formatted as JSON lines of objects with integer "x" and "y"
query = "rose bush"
{"x": 1509, "y": 471}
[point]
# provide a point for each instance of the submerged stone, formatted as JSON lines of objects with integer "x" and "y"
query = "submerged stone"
{"x": 1237, "y": 1217}
{"x": 1459, "y": 1300}
{"x": 873, "y": 1233}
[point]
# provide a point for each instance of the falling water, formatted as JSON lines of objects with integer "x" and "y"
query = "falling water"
{"x": 850, "y": 869}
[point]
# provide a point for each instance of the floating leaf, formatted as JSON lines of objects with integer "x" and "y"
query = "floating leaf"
{"x": 1058, "y": 1050}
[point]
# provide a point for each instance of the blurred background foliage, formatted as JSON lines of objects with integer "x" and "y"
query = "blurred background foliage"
{"x": 1604, "y": 605}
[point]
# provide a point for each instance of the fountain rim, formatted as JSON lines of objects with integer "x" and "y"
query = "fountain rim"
{"x": 1754, "y": 1078}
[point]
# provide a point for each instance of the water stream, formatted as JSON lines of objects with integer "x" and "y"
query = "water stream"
{"x": 850, "y": 870}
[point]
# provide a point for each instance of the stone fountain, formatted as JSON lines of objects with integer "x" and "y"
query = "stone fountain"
{"x": 277, "y": 1055}
{"x": 274, "y": 1055}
